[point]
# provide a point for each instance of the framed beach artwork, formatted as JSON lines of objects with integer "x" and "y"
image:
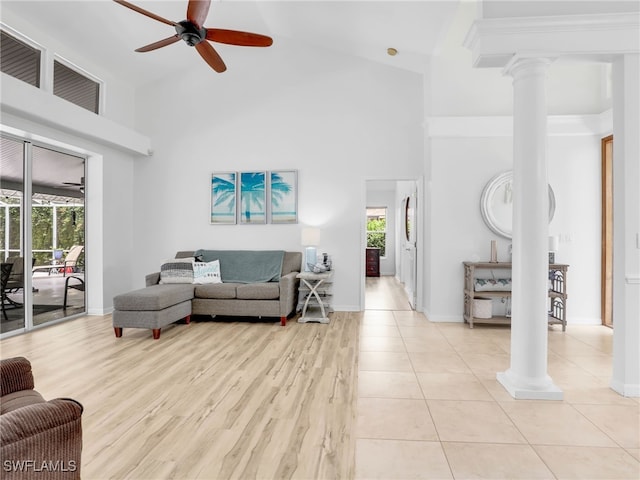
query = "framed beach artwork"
{"x": 253, "y": 188}
{"x": 283, "y": 193}
{"x": 224, "y": 187}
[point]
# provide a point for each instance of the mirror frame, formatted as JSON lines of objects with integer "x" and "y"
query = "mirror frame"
{"x": 486, "y": 200}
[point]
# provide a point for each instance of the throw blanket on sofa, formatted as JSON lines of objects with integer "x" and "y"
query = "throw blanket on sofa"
{"x": 245, "y": 266}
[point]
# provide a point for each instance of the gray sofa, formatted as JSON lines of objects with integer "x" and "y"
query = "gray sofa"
{"x": 158, "y": 305}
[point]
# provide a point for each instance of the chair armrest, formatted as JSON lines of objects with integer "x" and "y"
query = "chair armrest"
{"x": 15, "y": 375}
{"x": 288, "y": 293}
{"x": 152, "y": 279}
{"x": 43, "y": 432}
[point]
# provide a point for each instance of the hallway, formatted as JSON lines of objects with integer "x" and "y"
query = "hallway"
{"x": 385, "y": 293}
{"x": 430, "y": 407}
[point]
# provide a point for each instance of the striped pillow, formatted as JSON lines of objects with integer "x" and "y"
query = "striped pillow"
{"x": 177, "y": 270}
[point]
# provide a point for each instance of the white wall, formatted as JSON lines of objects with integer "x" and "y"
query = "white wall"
{"x": 457, "y": 89}
{"x": 574, "y": 174}
{"x": 108, "y": 142}
{"x": 338, "y": 120}
{"x": 460, "y": 169}
{"x": 108, "y": 208}
{"x": 468, "y": 114}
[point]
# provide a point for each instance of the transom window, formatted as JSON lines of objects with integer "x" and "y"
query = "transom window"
{"x": 19, "y": 59}
{"x": 22, "y": 58}
{"x": 75, "y": 87}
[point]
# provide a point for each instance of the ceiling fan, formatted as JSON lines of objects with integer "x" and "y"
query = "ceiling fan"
{"x": 75, "y": 184}
{"x": 196, "y": 35}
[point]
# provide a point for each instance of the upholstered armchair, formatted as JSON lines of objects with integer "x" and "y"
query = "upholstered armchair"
{"x": 38, "y": 439}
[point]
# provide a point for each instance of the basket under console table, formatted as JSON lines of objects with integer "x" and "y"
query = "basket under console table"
{"x": 500, "y": 287}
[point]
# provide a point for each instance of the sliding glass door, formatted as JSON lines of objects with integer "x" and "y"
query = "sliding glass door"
{"x": 11, "y": 234}
{"x": 43, "y": 234}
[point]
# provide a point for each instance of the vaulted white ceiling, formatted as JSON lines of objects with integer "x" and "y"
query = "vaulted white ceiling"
{"x": 109, "y": 33}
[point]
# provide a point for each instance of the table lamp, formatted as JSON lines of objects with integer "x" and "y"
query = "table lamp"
{"x": 310, "y": 240}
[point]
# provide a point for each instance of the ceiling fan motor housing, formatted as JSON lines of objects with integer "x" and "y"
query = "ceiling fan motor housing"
{"x": 190, "y": 32}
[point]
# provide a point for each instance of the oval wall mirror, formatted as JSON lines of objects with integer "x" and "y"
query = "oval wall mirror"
{"x": 407, "y": 218}
{"x": 496, "y": 204}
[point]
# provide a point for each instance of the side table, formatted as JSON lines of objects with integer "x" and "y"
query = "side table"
{"x": 315, "y": 296}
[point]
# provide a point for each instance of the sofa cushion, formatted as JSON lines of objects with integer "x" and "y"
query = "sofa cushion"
{"x": 217, "y": 290}
{"x": 245, "y": 266}
{"x": 206, "y": 272}
{"x": 259, "y": 291}
{"x": 178, "y": 270}
{"x": 155, "y": 297}
{"x": 19, "y": 399}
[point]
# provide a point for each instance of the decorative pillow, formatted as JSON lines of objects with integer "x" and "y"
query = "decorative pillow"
{"x": 206, "y": 272}
{"x": 492, "y": 285}
{"x": 177, "y": 270}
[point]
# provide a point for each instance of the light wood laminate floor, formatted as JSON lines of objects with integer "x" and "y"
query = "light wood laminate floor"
{"x": 377, "y": 394}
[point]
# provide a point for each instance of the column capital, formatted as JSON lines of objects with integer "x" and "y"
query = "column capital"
{"x": 523, "y": 64}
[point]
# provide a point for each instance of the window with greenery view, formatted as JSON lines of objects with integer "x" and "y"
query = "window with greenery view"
{"x": 377, "y": 228}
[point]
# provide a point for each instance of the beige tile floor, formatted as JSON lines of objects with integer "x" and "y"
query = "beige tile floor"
{"x": 429, "y": 406}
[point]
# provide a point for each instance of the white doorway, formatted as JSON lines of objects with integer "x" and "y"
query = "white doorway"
{"x": 399, "y": 200}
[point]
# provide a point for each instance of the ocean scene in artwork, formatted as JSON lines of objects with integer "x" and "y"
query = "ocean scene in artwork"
{"x": 284, "y": 208}
{"x": 223, "y": 198}
{"x": 252, "y": 197}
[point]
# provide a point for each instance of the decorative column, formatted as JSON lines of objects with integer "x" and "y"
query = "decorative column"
{"x": 626, "y": 226}
{"x": 527, "y": 376}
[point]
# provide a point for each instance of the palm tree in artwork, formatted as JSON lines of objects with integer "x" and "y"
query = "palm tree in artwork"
{"x": 279, "y": 188}
{"x": 224, "y": 190}
{"x": 252, "y": 186}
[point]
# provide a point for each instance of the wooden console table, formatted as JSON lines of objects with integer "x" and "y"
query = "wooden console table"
{"x": 557, "y": 311}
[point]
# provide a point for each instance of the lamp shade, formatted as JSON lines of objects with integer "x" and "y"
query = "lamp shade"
{"x": 310, "y": 236}
{"x": 554, "y": 243}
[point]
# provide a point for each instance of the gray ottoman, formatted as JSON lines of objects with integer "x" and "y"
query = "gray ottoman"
{"x": 152, "y": 307}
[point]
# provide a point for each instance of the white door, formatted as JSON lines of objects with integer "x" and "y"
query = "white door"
{"x": 410, "y": 247}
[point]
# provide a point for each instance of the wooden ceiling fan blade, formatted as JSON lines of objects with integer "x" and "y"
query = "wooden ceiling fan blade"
{"x": 147, "y": 13}
{"x": 210, "y": 56}
{"x": 197, "y": 11}
{"x": 159, "y": 44}
{"x": 235, "y": 37}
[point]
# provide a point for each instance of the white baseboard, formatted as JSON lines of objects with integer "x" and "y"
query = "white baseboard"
{"x": 584, "y": 321}
{"x": 459, "y": 319}
{"x": 346, "y": 308}
{"x": 626, "y": 390}
{"x": 99, "y": 311}
{"x": 443, "y": 318}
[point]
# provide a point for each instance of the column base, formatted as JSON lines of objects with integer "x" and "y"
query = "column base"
{"x": 547, "y": 392}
